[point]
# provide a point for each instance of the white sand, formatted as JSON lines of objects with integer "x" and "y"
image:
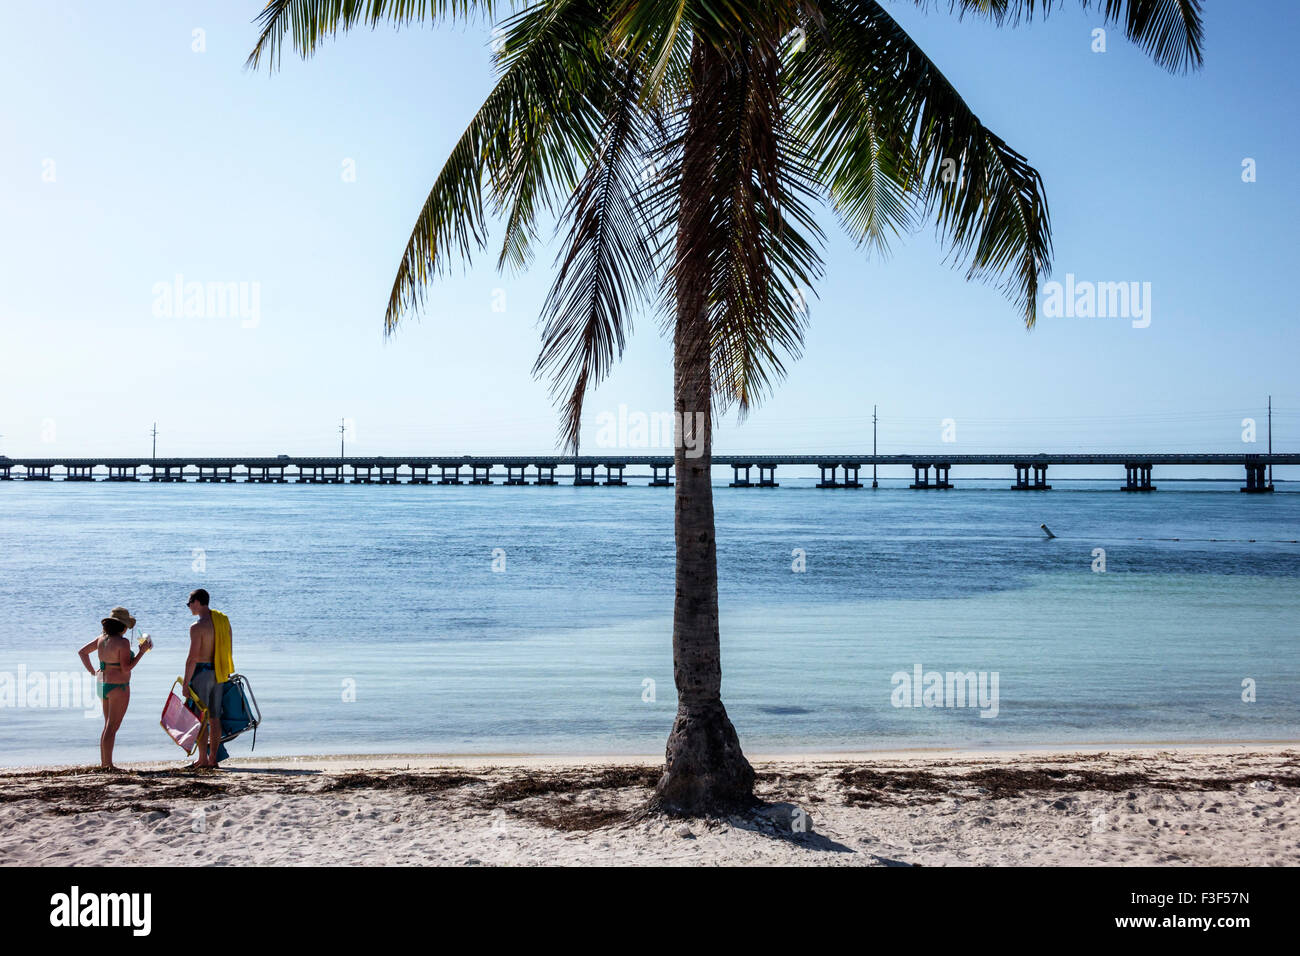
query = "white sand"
{"x": 1210, "y": 805}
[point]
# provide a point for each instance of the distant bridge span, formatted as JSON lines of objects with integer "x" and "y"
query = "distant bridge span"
{"x": 837, "y": 470}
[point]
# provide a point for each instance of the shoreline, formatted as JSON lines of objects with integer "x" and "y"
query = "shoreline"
{"x": 1214, "y": 805}
{"x": 390, "y": 760}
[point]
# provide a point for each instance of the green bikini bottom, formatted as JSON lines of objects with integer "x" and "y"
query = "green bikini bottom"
{"x": 105, "y": 689}
{"x": 102, "y": 689}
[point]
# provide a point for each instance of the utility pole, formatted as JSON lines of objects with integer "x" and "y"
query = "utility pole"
{"x": 343, "y": 427}
{"x": 155, "y": 439}
{"x": 1270, "y": 441}
{"x": 874, "y": 482}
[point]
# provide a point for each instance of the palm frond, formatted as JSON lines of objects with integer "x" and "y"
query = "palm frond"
{"x": 550, "y": 148}
{"x": 650, "y": 30}
{"x": 308, "y": 23}
{"x": 987, "y": 200}
{"x": 749, "y": 247}
{"x": 1170, "y": 31}
{"x": 864, "y": 155}
{"x": 607, "y": 264}
{"x": 524, "y": 140}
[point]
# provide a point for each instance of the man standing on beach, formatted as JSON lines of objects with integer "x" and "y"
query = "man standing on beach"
{"x": 207, "y": 669}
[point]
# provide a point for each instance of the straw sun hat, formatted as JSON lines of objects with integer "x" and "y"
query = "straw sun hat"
{"x": 121, "y": 614}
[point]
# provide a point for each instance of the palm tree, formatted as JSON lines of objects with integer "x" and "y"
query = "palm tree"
{"x": 682, "y": 146}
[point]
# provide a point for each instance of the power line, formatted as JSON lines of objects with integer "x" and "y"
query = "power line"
{"x": 874, "y": 482}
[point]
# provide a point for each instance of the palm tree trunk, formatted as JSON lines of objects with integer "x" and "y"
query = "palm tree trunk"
{"x": 705, "y": 770}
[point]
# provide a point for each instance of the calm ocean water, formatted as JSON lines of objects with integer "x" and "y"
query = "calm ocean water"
{"x": 371, "y": 619}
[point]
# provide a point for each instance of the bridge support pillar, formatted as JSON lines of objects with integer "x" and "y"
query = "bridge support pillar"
{"x": 614, "y": 473}
{"x": 830, "y": 482}
{"x": 450, "y": 475}
{"x": 481, "y": 479}
{"x": 767, "y": 476}
{"x": 662, "y": 477}
{"x": 1024, "y": 482}
{"x": 122, "y": 473}
{"x": 5, "y": 472}
{"x": 1137, "y": 477}
{"x": 941, "y": 470}
{"x": 515, "y": 475}
{"x": 1257, "y": 480}
{"x": 222, "y": 473}
{"x": 921, "y": 476}
{"x": 80, "y": 473}
{"x": 265, "y": 475}
{"x": 851, "y": 469}
{"x": 37, "y": 473}
{"x": 387, "y": 474}
{"x": 584, "y": 474}
{"x": 736, "y": 480}
{"x": 545, "y": 473}
{"x": 166, "y": 472}
{"x": 361, "y": 474}
{"x": 419, "y": 475}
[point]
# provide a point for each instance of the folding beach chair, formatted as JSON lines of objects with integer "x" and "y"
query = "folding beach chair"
{"x": 179, "y": 721}
{"x": 239, "y": 710}
{"x": 186, "y": 721}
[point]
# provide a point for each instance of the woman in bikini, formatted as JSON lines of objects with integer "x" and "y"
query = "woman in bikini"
{"x": 116, "y": 661}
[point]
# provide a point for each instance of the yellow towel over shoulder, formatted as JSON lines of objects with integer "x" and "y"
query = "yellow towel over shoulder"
{"x": 223, "y": 654}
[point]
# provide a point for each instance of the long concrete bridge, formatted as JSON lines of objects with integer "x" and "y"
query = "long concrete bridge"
{"x": 837, "y": 470}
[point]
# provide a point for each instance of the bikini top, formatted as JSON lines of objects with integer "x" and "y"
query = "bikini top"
{"x": 105, "y": 665}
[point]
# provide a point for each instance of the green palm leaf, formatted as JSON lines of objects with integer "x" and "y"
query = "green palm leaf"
{"x": 899, "y": 134}
{"x": 528, "y": 139}
{"x": 309, "y": 22}
{"x": 761, "y": 262}
{"x": 1170, "y": 31}
{"x": 607, "y": 265}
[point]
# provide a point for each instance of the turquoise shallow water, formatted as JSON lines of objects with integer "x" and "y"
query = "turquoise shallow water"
{"x": 388, "y": 595}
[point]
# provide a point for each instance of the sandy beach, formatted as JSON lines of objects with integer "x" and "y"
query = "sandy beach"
{"x": 1226, "y": 805}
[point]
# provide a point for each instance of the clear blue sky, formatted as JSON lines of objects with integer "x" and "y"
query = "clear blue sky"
{"x": 167, "y": 161}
